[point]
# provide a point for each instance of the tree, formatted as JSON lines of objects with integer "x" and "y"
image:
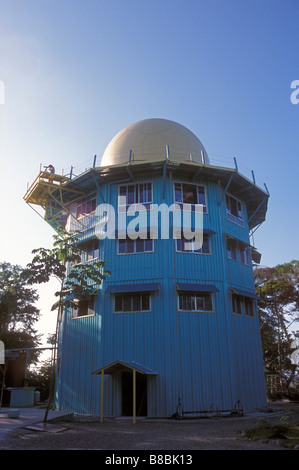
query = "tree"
{"x": 278, "y": 288}
{"x": 77, "y": 280}
{"x": 18, "y": 313}
{"x": 41, "y": 378}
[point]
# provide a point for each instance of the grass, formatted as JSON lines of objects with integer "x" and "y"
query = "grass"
{"x": 286, "y": 428}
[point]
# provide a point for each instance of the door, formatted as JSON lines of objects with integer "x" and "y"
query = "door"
{"x": 127, "y": 394}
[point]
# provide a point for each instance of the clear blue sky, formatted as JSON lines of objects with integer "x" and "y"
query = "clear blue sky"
{"x": 76, "y": 72}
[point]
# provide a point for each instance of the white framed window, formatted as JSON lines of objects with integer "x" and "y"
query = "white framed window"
{"x": 191, "y": 194}
{"x": 196, "y": 302}
{"x": 231, "y": 248}
{"x": 92, "y": 250}
{"x": 234, "y": 211}
{"x": 132, "y": 302}
{"x": 236, "y": 303}
{"x": 86, "y": 206}
{"x": 127, "y": 246}
{"x": 89, "y": 250}
{"x": 85, "y": 307}
{"x": 137, "y": 193}
{"x": 242, "y": 304}
{"x": 249, "y": 308}
{"x": 237, "y": 250}
{"x": 244, "y": 254}
{"x": 189, "y": 246}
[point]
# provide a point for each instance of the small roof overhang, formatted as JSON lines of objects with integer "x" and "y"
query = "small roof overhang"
{"x": 124, "y": 288}
{"x": 196, "y": 287}
{"x": 237, "y": 239}
{"x": 245, "y": 293}
{"x": 118, "y": 365}
{"x": 256, "y": 255}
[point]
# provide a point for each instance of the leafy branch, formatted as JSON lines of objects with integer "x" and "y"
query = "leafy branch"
{"x": 78, "y": 282}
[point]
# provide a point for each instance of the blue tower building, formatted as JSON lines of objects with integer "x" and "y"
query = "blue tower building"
{"x": 175, "y": 328}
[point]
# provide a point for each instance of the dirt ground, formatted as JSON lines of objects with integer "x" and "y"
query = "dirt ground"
{"x": 83, "y": 433}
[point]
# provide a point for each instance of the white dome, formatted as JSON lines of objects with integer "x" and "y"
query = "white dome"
{"x": 148, "y": 139}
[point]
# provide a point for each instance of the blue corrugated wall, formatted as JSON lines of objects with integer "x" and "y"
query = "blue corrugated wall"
{"x": 201, "y": 358}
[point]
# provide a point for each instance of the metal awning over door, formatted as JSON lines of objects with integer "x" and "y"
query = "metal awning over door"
{"x": 118, "y": 366}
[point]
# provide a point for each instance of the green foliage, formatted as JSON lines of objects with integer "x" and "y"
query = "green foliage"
{"x": 278, "y": 288}
{"x": 79, "y": 281}
{"x": 53, "y": 262}
{"x": 285, "y": 428}
{"x": 41, "y": 379}
{"x": 18, "y": 314}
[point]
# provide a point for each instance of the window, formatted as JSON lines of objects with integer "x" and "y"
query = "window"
{"x": 248, "y": 307}
{"x": 231, "y": 248}
{"x": 189, "y": 246}
{"x": 234, "y": 210}
{"x": 89, "y": 251}
{"x": 236, "y": 303}
{"x": 136, "y": 302}
{"x": 192, "y": 194}
{"x": 84, "y": 308}
{"x": 196, "y": 302}
{"x": 128, "y": 246}
{"x": 244, "y": 257}
{"x": 92, "y": 250}
{"x": 242, "y": 303}
{"x": 86, "y": 206}
{"x": 140, "y": 193}
{"x": 236, "y": 249}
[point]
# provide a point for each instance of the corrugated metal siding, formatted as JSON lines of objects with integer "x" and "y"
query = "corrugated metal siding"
{"x": 201, "y": 358}
{"x": 205, "y": 360}
{"x": 248, "y": 359}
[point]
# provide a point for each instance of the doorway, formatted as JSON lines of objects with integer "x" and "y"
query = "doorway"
{"x": 127, "y": 394}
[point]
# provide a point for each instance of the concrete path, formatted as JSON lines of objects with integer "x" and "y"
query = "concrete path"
{"x": 27, "y": 416}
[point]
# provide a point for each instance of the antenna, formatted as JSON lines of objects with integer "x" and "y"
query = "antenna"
{"x": 167, "y": 152}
